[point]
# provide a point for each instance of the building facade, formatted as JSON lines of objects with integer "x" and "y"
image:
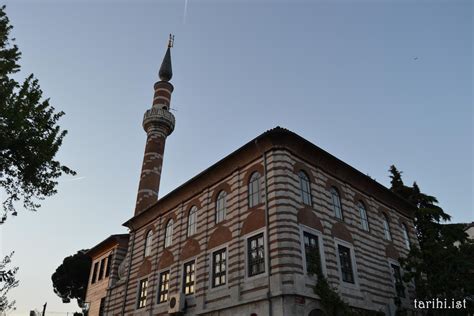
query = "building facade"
{"x": 238, "y": 238}
{"x": 102, "y": 273}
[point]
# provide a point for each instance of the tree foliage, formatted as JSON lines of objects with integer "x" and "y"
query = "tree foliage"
{"x": 29, "y": 134}
{"x": 442, "y": 264}
{"x": 7, "y": 282}
{"x": 71, "y": 277}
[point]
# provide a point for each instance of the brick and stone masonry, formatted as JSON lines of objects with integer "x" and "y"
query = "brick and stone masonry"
{"x": 158, "y": 123}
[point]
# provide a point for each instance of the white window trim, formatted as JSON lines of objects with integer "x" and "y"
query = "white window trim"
{"x": 158, "y": 286}
{"x": 304, "y": 228}
{"x": 344, "y": 243}
{"x": 265, "y": 250}
{"x": 391, "y": 261}
{"x": 211, "y": 267}
{"x": 181, "y": 283}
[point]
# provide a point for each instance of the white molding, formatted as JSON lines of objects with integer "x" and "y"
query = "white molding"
{"x": 356, "y": 284}
{"x": 266, "y": 251}
{"x": 319, "y": 234}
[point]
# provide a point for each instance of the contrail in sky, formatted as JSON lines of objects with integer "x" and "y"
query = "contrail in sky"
{"x": 74, "y": 179}
{"x": 185, "y": 11}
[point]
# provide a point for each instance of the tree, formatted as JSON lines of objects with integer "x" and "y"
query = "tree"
{"x": 438, "y": 267}
{"x": 7, "y": 282}
{"x": 29, "y": 134}
{"x": 71, "y": 277}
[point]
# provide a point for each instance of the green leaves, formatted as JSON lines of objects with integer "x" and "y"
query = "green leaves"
{"x": 71, "y": 277}
{"x": 29, "y": 135}
{"x": 443, "y": 264}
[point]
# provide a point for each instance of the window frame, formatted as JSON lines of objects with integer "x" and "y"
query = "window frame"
{"x": 391, "y": 262}
{"x": 303, "y": 193}
{"x": 355, "y": 272}
{"x": 322, "y": 256}
{"x": 254, "y": 197}
{"x": 183, "y": 279}
{"x": 363, "y": 219}
{"x": 265, "y": 251}
{"x": 169, "y": 234}
{"x": 108, "y": 267}
{"x": 95, "y": 270}
{"x": 222, "y": 195}
{"x": 220, "y": 248}
{"x": 158, "y": 290}
{"x": 333, "y": 190}
{"x": 406, "y": 236}
{"x": 387, "y": 234}
{"x": 100, "y": 276}
{"x": 140, "y": 299}
{"x": 147, "y": 249}
{"x": 192, "y": 215}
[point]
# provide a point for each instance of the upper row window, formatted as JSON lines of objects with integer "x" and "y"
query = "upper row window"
{"x": 254, "y": 189}
{"x": 221, "y": 206}
{"x": 305, "y": 188}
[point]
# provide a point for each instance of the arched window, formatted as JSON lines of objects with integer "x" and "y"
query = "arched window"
{"x": 192, "y": 221}
{"x": 148, "y": 243}
{"x": 254, "y": 189}
{"x": 336, "y": 202}
{"x": 221, "y": 206}
{"x": 169, "y": 233}
{"x": 406, "y": 239}
{"x": 305, "y": 188}
{"x": 364, "y": 222}
{"x": 386, "y": 228}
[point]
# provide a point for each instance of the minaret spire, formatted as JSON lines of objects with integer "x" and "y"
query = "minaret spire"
{"x": 166, "y": 71}
{"x": 158, "y": 123}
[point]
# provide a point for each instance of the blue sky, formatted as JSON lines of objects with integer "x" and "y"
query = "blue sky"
{"x": 374, "y": 83}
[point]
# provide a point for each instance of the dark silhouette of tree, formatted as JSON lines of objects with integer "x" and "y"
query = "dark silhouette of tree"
{"x": 29, "y": 134}
{"x": 7, "y": 282}
{"x": 71, "y": 277}
{"x": 442, "y": 264}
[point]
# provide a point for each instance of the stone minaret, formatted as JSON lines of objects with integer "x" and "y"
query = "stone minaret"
{"x": 158, "y": 123}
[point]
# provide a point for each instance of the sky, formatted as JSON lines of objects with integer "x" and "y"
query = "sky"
{"x": 374, "y": 83}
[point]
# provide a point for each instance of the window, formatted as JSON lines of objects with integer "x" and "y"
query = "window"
{"x": 336, "y": 202}
{"x": 254, "y": 189}
{"x": 305, "y": 188}
{"x": 397, "y": 278}
{"x": 101, "y": 270}
{"x": 102, "y": 306}
{"x": 221, "y": 206}
{"x": 364, "y": 222}
{"x": 142, "y": 293}
{"x": 192, "y": 221}
{"x": 169, "y": 233}
{"x": 386, "y": 228}
{"x": 311, "y": 251}
{"x": 163, "y": 286}
{"x": 219, "y": 268}
{"x": 406, "y": 238}
{"x": 148, "y": 243}
{"x": 94, "y": 272}
{"x": 188, "y": 278}
{"x": 109, "y": 265}
{"x": 345, "y": 262}
{"x": 256, "y": 255}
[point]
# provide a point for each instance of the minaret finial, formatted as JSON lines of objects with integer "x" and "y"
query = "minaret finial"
{"x": 166, "y": 71}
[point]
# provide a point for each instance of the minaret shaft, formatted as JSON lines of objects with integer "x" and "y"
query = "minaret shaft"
{"x": 158, "y": 123}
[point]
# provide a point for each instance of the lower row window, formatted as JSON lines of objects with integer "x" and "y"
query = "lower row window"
{"x": 142, "y": 293}
{"x": 189, "y": 278}
{"x": 219, "y": 268}
{"x": 345, "y": 262}
{"x": 163, "y": 287}
{"x": 256, "y": 255}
